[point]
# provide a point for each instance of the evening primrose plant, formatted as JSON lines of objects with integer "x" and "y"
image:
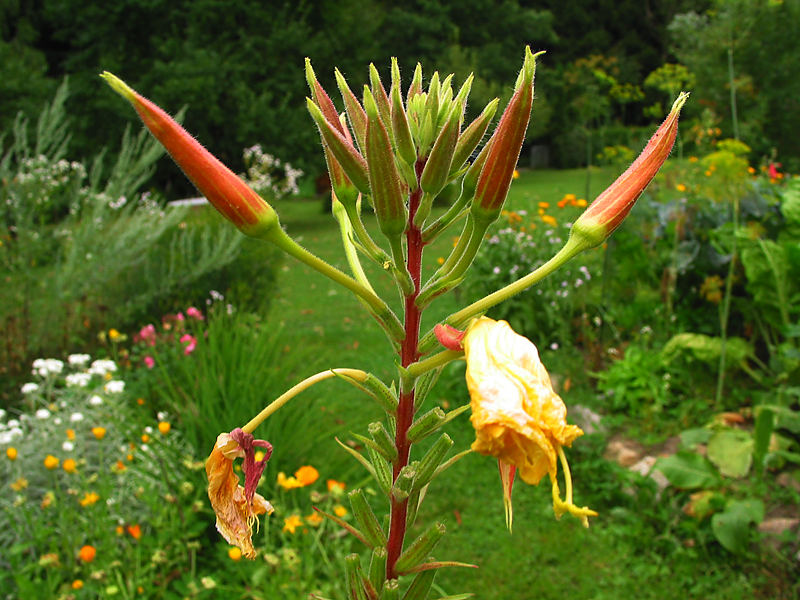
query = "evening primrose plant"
{"x": 392, "y": 153}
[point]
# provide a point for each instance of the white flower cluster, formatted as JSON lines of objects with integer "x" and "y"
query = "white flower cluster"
{"x": 269, "y": 175}
{"x": 47, "y": 366}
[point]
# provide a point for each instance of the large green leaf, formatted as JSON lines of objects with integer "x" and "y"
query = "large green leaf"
{"x": 790, "y": 206}
{"x": 688, "y": 470}
{"x": 731, "y": 527}
{"x": 731, "y": 450}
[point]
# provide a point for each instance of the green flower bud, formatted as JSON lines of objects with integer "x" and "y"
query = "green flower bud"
{"x": 472, "y": 136}
{"x": 421, "y": 586}
{"x": 426, "y": 425}
{"x": 404, "y": 483}
{"x": 391, "y": 590}
{"x": 343, "y": 150}
{"x": 367, "y": 522}
{"x": 355, "y": 112}
{"x": 384, "y": 181}
{"x": 382, "y": 440}
{"x": 354, "y": 578}
{"x": 420, "y": 548}
{"x": 431, "y": 460}
{"x": 403, "y": 141}
{"x": 377, "y": 567}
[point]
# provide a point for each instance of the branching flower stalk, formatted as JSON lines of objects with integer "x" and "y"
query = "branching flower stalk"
{"x": 396, "y": 152}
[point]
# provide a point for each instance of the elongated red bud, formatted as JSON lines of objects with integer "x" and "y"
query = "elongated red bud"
{"x": 321, "y": 98}
{"x": 506, "y": 143}
{"x": 226, "y": 192}
{"x": 611, "y": 207}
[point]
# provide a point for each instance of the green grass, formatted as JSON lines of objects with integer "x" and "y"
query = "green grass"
{"x": 618, "y": 557}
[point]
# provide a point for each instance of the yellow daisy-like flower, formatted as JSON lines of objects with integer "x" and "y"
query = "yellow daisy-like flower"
{"x": 314, "y": 519}
{"x": 339, "y": 510}
{"x": 292, "y": 523}
{"x": 236, "y": 514}
{"x": 517, "y": 415}
{"x": 288, "y": 483}
{"x": 70, "y": 466}
{"x": 306, "y": 475}
{"x": 99, "y": 432}
{"x": 51, "y": 462}
{"x": 89, "y": 498}
{"x": 234, "y": 553}
{"x": 164, "y": 427}
{"x": 11, "y": 453}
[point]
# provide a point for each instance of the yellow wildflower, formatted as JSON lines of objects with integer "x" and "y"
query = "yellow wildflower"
{"x": 99, "y": 432}
{"x": 314, "y": 519}
{"x": 20, "y": 484}
{"x": 339, "y": 510}
{"x": 89, "y": 498}
{"x": 164, "y": 427}
{"x": 77, "y": 584}
{"x": 51, "y": 462}
{"x": 288, "y": 483}
{"x": 549, "y": 220}
{"x": 47, "y": 499}
{"x": 11, "y": 453}
{"x": 517, "y": 415}
{"x": 292, "y": 523}
{"x": 114, "y": 335}
{"x": 145, "y": 438}
{"x": 680, "y": 187}
{"x": 70, "y": 466}
{"x": 544, "y": 205}
{"x": 70, "y": 434}
{"x": 334, "y": 485}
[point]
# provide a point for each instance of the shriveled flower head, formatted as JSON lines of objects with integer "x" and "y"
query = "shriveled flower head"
{"x": 237, "y": 508}
{"x": 517, "y": 415}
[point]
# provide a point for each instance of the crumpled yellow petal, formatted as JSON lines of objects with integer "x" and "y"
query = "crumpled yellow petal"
{"x": 235, "y": 515}
{"x": 516, "y": 414}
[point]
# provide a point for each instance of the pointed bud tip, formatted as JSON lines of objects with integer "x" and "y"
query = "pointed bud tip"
{"x": 119, "y": 86}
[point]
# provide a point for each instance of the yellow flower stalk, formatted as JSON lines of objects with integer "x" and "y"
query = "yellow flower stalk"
{"x": 517, "y": 416}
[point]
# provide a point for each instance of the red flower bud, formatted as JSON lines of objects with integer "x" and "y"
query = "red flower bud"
{"x": 611, "y": 207}
{"x": 506, "y": 143}
{"x": 231, "y": 196}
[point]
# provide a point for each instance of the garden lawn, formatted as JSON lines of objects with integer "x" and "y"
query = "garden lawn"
{"x": 543, "y": 558}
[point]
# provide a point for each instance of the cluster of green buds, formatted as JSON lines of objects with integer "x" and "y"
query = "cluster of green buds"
{"x": 399, "y": 151}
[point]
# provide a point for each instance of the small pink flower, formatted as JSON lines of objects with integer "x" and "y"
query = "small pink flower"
{"x": 147, "y": 334}
{"x": 773, "y": 170}
{"x": 180, "y": 317}
{"x": 149, "y": 362}
{"x": 194, "y": 313}
{"x": 190, "y": 341}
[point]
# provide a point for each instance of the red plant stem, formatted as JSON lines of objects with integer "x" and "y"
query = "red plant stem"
{"x": 409, "y": 353}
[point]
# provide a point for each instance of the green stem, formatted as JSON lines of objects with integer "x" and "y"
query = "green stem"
{"x": 432, "y": 362}
{"x": 380, "y": 309}
{"x": 726, "y": 306}
{"x": 276, "y": 404}
{"x": 346, "y": 228}
{"x": 573, "y": 247}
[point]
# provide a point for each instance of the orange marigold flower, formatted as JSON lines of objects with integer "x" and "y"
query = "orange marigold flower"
{"x": 89, "y": 498}
{"x": 145, "y": 438}
{"x": 517, "y": 416}
{"x": 11, "y": 453}
{"x": 87, "y": 553}
{"x": 549, "y": 220}
{"x": 51, "y": 462}
{"x": 70, "y": 434}
{"x": 333, "y": 484}
{"x": 135, "y": 531}
{"x": 235, "y": 553}
{"x": 164, "y": 427}
{"x": 77, "y": 584}
{"x": 544, "y": 205}
{"x": 292, "y": 523}
{"x": 237, "y": 508}
{"x": 99, "y": 432}
{"x": 306, "y": 475}
{"x": 70, "y": 466}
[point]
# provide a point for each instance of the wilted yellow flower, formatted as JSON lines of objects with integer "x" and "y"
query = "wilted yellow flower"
{"x": 517, "y": 415}
{"x": 47, "y": 499}
{"x": 292, "y": 523}
{"x": 236, "y": 515}
{"x": 51, "y": 462}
